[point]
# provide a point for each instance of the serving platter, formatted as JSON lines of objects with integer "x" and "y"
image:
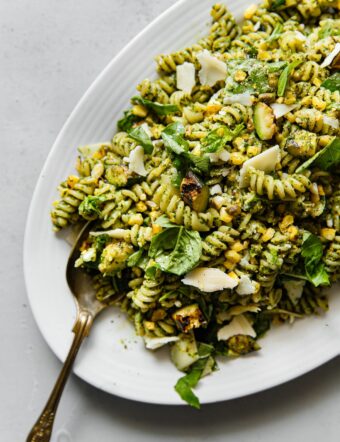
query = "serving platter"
{"x": 113, "y": 357}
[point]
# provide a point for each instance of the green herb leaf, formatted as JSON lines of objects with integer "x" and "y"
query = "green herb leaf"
{"x": 276, "y": 33}
{"x": 200, "y": 164}
{"x": 332, "y": 83}
{"x": 328, "y": 29}
{"x": 173, "y": 139}
{"x": 261, "y": 324}
{"x": 158, "y": 108}
{"x": 139, "y": 134}
{"x": 176, "y": 250}
{"x": 134, "y": 259}
{"x": 219, "y": 137}
{"x": 186, "y": 383}
{"x": 312, "y": 252}
{"x": 284, "y": 77}
{"x": 164, "y": 221}
{"x": 276, "y": 4}
{"x": 326, "y": 158}
{"x": 90, "y": 207}
{"x": 204, "y": 350}
{"x": 125, "y": 124}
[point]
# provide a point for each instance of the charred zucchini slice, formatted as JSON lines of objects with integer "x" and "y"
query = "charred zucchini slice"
{"x": 194, "y": 192}
{"x": 264, "y": 121}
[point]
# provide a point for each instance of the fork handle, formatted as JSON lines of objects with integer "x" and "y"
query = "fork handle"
{"x": 42, "y": 429}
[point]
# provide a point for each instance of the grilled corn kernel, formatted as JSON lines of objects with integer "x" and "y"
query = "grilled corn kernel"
{"x": 225, "y": 216}
{"x": 268, "y": 235}
{"x": 229, "y": 265}
{"x": 72, "y": 180}
{"x": 213, "y": 109}
{"x": 135, "y": 219}
{"x": 238, "y": 246}
{"x": 139, "y": 110}
{"x": 293, "y": 232}
{"x": 328, "y": 234}
{"x": 233, "y": 256}
{"x": 250, "y": 11}
{"x": 141, "y": 207}
{"x": 307, "y": 101}
{"x": 156, "y": 229}
{"x": 237, "y": 158}
{"x": 149, "y": 325}
{"x": 286, "y": 222}
{"x": 233, "y": 275}
{"x": 99, "y": 154}
{"x": 253, "y": 150}
{"x": 240, "y": 76}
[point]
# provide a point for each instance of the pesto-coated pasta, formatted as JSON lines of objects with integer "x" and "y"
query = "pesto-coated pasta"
{"x": 215, "y": 207}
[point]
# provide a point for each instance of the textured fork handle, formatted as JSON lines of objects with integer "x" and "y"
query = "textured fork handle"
{"x": 42, "y": 429}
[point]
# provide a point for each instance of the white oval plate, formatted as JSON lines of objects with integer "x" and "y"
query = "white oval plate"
{"x": 113, "y": 358}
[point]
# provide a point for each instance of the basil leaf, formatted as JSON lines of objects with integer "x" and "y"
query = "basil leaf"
{"x": 204, "y": 350}
{"x": 261, "y": 324}
{"x": 219, "y": 137}
{"x": 200, "y": 164}
{"x": 276, "y": 33}
{"x": 135, "y": 258}
{"x": 332, "y": 83}
{"x": 173, "y": 139}
{"x": 327, "y": 30}
{"x": 164, "y": 221}
{"x": 176, "y": 250}
{"x": 277, "y": 4}
{"x": 186, "y": 383}
{"x": 326, "y": 158}
{"x": 312, "y": 252}
{"x": 90, "y": 207}
{"x": 158, "y": 108}
{"x": 284, "y": 77}
{"x": 126, "y": 123}
{"x": 139, "y": 134}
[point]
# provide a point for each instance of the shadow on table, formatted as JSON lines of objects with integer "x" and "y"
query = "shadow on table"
{"x": 254, "y": 411}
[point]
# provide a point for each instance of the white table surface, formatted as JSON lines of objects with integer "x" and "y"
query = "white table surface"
{"x": 51, "y": 50}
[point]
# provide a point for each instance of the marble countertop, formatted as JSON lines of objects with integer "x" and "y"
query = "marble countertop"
{"x": 51, "y": 52}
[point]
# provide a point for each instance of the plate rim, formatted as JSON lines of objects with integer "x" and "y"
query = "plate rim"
{"x": 28, "y": 227}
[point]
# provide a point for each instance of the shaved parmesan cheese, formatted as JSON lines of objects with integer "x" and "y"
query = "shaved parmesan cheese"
{"x": 330, "y": 57}
{"x": 238, "y": 326}
{"x": 136, "y": 161}
{"x": 222, "y": 155}
{"x": 209, "y": 280}
{"x": 89, "y": 254}
{"x": 154, "y": 343}
{"x": 257, "y": 26}
{"x": 90, "y": 149}
{"x": 185, "y": 75}
{"x": 212, "y": 69}
{"x": 332, "y": 122}
{"x": 281, "y": 109}
{"x": 245, "y": 99}
{"x": 236, "y": 311}
{"x": 216, "y": 190}
{"x": 294, "y": 289}
{"x": 245, "y": 286}
{"x": 265, "y": 161}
